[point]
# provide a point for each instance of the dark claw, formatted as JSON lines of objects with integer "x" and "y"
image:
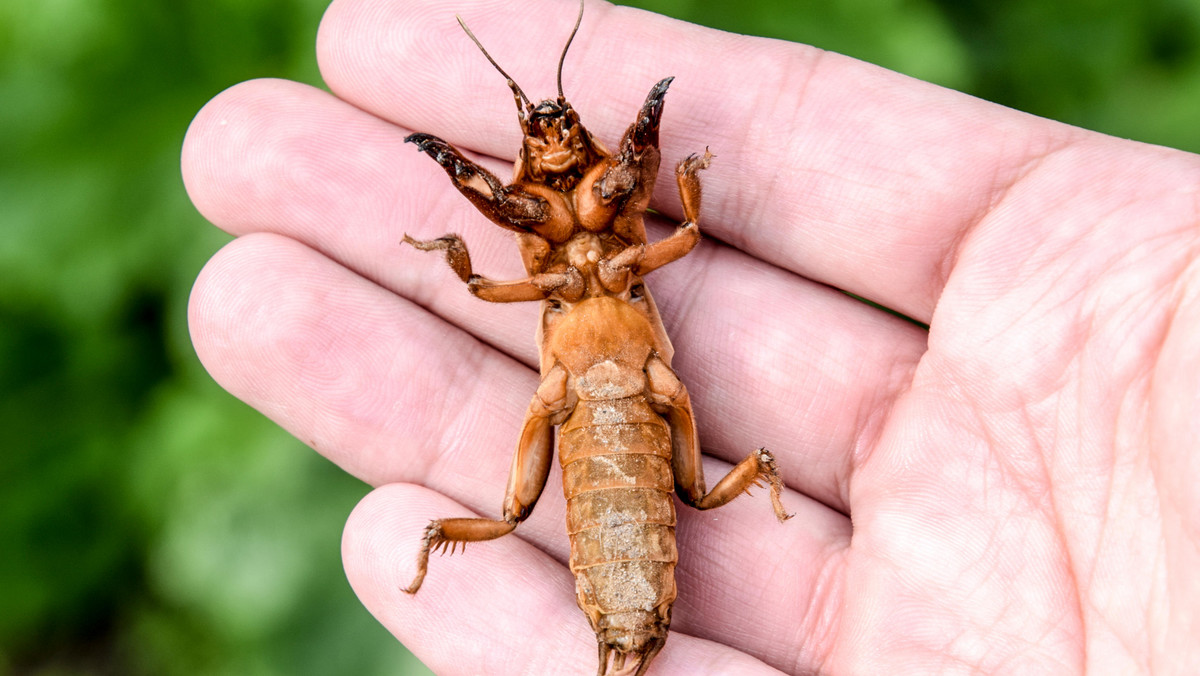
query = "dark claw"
{"x": 694, "y": 163}
{"x": 645, "y": 132}
{"x": 422, "y": 140}
{"x": 442, "y": 152}
{"x": 660, "y": 89}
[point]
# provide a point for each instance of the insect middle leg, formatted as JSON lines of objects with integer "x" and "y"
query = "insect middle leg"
{"x": 536, "y": 287}
{"x": 687, "y": 235}
{"x": 670, "y": 393}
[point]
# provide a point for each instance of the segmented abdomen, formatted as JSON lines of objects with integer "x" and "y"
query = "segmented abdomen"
{"x": 616, "y": 458}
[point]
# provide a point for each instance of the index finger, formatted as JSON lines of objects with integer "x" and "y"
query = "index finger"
{"x": 841, "y": 171}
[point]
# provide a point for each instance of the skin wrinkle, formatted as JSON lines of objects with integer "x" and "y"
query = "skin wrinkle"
{"x": 453, "y": 438}
{"x": 1101, "y": 546}
{"x": 1166, "y": 601}
{"x": 1059, "y": 522}
{"x": 1001, "y": 193}
{"x": 771, "y": 655}
{"x": 1140, "y": 466}
{"x": 756, "y": 209}
{"x": 1185, "y": 290}
{"x": 1096, "y": 612}
{"x": 984, "y": 430}
{"x": 874, "y": 422}
{"x": 828, "y": 590}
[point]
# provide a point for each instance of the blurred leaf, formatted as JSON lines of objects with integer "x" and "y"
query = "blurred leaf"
{"x": 136, "y": 534}
{"x": 909, "y": 36}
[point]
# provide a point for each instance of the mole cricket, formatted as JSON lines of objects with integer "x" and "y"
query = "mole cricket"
{"x": 626, "y": 434}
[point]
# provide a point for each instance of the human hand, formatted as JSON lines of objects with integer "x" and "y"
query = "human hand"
{"x": 1019, "y": 476}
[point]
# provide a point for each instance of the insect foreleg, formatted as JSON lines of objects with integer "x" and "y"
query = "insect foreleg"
{"x": 507, "y": 206}
{"x": 669, "y": 392}
{"x": 630, "y": 177}
{"x": 526, "y": 478}
{"x": 644, "y": 132}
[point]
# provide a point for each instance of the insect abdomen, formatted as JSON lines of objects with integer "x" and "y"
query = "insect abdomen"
{"x": 616, "y": 458}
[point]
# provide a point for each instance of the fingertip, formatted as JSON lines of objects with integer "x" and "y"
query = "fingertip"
{"x": 240, "y": 312}
{"x": 272, "y": 154}
{"x": 223, "y": 134}
{"x": 380, "y": 56}
{"x": 381, "y": 540}
{"x": 500, "y": 607}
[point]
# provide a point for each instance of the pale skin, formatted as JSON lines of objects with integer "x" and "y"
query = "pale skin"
{"x": 1021, "y": 476}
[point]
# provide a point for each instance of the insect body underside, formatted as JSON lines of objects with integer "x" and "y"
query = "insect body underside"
{"x": 627, "y": 439}
{"x": 617, "y": 478}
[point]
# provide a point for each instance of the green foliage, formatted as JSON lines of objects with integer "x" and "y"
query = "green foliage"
{"x": 151, "y": 524}
{"x": 1130, "y": 68}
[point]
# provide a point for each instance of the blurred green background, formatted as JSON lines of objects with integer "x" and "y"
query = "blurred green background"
{"x": 150, "y": 523}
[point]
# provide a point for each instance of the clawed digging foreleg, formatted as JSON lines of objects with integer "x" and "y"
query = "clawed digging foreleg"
{"x": 644, "y": 133}
{"x": 506, "y": 206}
{"x": 456, "y": 165}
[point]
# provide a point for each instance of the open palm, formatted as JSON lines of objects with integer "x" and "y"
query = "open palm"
{"x": 1007, "y": 492}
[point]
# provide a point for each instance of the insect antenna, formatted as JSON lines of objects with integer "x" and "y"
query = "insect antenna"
{"x": 512, "y": 84}
{"x": 578, "y": 20}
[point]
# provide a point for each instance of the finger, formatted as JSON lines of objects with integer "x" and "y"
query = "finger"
{"x": 771, "y": 359}
{"x": 276, "y": 156}
{"x": 391, "y": 393}
{"x": 501, "y": 607}
{"x": 362, "y": 376}
{"x": 846, "y": 173}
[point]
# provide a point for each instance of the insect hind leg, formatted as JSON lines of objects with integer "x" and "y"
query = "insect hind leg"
{"x": 750, "y": 472}
{"x": 445, "y": 534}
{"x": 671, "y": 396}
{"x": 687, "y": 235}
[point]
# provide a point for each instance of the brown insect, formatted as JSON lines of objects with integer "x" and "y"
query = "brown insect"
{"x": 626, "y": 434}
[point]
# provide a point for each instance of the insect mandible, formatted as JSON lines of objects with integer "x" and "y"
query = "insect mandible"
{"x": 626, "y": 434}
